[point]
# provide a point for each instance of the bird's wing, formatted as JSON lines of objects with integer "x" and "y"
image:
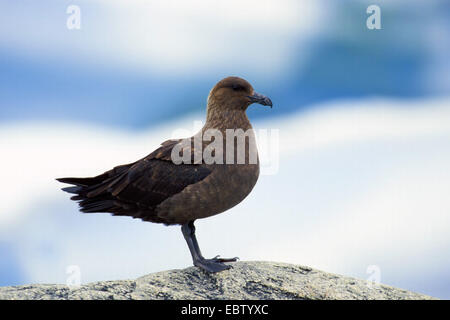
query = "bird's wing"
{"x": 137, "y": 188}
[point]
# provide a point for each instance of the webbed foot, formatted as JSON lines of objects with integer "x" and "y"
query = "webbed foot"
{"x": 215, "y": 264}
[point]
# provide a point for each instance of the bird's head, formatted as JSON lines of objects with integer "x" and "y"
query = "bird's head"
{"x": 235, "y": 93}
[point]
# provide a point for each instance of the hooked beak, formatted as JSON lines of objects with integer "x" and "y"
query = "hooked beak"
{"x": 261, "y": 99}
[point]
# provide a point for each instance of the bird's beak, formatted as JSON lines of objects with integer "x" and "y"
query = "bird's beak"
{"x": 261, "y": 99}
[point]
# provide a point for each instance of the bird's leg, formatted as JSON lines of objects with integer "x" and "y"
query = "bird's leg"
{"x": 211, "y": 265}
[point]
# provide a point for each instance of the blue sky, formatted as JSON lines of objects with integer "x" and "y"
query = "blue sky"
{"x": 363, "y": 120}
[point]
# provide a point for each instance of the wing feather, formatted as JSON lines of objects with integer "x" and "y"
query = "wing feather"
{"x": 137, "y": 188}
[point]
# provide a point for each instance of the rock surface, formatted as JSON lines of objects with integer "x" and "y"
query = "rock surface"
{"x": 246, "y": 280}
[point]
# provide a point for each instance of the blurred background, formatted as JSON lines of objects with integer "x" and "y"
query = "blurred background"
{"x": 363, "y": 180}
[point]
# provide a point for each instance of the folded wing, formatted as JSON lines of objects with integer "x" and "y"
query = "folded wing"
{"x": 136, "y": 189}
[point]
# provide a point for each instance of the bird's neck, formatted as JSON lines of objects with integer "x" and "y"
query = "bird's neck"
{"x": 218, "y": 118}
{"x": 223, "y": 120}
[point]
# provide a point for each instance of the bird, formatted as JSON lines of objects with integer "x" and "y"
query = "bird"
{"x": 160, "y": 188}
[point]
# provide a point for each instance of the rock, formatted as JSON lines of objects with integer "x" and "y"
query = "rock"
{"x": 246, "y": 280}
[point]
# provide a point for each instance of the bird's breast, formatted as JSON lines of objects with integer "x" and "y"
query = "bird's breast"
{"x": 226, "y": 186}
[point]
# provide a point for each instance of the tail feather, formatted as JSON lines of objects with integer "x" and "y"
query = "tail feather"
{"x": 74, "y": 189}
{"x": 93, "y": 193}
{"x": 92, "y": 205}
{"x": 82, "y": 182}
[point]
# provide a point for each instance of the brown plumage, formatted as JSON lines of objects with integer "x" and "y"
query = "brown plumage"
{"x": 156, "y": 189}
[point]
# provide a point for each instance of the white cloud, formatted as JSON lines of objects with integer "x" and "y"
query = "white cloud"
{"x": 353, "y": 121}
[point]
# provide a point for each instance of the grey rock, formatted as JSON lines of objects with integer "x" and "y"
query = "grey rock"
{"x": 246, "y": 280}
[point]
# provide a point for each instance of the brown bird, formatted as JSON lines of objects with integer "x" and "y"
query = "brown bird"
{"x": 160, "y": 189}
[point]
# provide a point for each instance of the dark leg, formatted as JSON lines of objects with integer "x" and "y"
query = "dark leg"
{"x": 210, "y": 265}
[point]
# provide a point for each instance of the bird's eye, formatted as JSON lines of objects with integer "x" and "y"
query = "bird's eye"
{"x": 237, "y": 87}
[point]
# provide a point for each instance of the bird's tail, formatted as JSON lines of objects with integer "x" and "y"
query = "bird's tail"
{"x": 93, "y": 193}
{"x": 79, "y": 183}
